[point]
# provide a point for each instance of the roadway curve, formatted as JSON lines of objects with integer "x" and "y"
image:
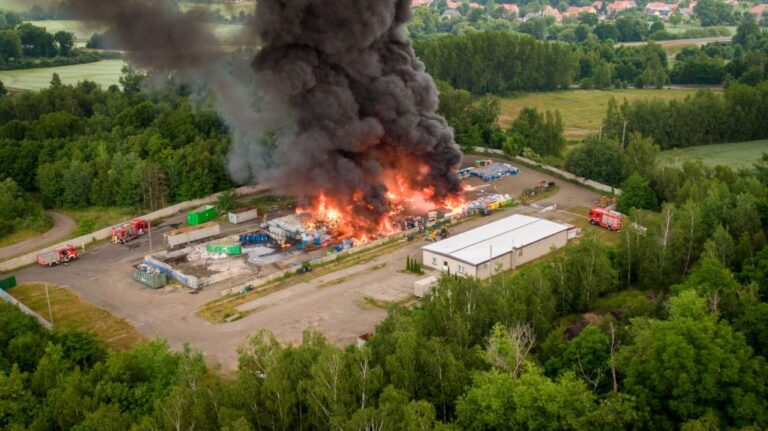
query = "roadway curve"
{"x": 63, "y": 225}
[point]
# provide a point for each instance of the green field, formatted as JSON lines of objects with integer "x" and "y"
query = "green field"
{"x": 105, "y": 73}
{"x": 734, "y": 155}
{"x": 582, "y": 110}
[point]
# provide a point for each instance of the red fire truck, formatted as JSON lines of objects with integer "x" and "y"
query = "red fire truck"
{"x": 128, "y": 231}
{"x": 60, "y": 255}
{"x": 608, "y": 219}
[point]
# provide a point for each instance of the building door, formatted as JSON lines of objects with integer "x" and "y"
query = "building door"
{"x": 445, "y": 265}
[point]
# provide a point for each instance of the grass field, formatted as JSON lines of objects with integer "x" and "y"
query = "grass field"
{"x": 734, "y": 155}
{"x": 69, "y": 310}
{"x": 582, "y": 110}
{"x": 105, "y": 73}
{"x": 94, "y": 218}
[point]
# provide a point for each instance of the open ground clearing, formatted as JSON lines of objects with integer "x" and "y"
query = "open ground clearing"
{"x": 342, "y": 304}
{"x": 735, "y": 155}
{"x": 582, "y": 110}
{"x": 104, "y": 73}
{"x": 69, "y": 310}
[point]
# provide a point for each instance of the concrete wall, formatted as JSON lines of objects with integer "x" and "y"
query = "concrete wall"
{"x": 501, "y": 263}
{"x": 567, "y": 175}
{"x": 105, "y": 233}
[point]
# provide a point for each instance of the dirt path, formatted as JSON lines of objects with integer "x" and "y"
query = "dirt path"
{"x": 63, "y": 225}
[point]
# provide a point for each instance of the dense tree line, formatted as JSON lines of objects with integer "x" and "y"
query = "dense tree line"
{"x": 738, "y": 114}
{"x": 24, "y": 45}
{"x": 495, "y": 62}
{"x": 554, "y": 345}
{"x": 83, "y": 145}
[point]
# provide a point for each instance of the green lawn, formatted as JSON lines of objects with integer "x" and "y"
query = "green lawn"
{"x": 70, "y": 310}
{"x": 734, "y": 155}
{"x": 94, "y": 218}
{"x": 582, "y": 110}
{"x": 105, "y": 72}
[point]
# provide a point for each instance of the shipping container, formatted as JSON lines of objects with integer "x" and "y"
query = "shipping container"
{"x": 243, "y": 215}
{"x": 189, "y": 234}
{"x": 8, "y": 283}
{"x": 155, "y": 280}
{"x": 201, "y": 215}
{"x": 226, "y": 248}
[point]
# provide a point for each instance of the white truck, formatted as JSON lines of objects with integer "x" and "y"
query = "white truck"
{"x": 190, "y": 234}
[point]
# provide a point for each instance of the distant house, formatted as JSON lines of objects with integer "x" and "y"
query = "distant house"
{"x": 574, "y": 11}
{"x": 688, "y": 11}
{"x": 475, "y": 6}
{"x": 450, "y": 14}
{"x": 550, "y": 11}
{"x": 732, "y": 2}
{"x": 547, "y": 11}
{"x": 660, "y": 9}
{"x": 759, "y": 10}
{"x": 511, "y": 8}
{"x": 621, "y": 6}
{"x": 417, "y": 3}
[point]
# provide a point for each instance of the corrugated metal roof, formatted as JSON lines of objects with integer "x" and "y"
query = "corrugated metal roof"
{"x": 496, "y": 239}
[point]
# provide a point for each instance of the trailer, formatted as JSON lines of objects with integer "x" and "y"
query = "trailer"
{"x": 243, "y": 215}
{"x": 190, "y": 234}
{"x": 606, "y": 218}
{"x": 64, "y": 254}
{"x": 128, "y": 231}
{"x": 201, "y": 215}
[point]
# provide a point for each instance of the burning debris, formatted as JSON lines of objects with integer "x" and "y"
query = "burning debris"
{"x": 351, "y": 109}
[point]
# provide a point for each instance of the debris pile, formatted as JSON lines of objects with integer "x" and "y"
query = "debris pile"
{"x": 494, "y": 171}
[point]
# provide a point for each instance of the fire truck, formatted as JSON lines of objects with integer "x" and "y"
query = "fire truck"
{"x": 64, "y": 254}
{"x": 128, "y": 231}
{"x": 606, "y": 218}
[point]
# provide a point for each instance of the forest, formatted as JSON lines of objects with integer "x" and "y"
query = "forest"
{"x": 665, "y": 328}
{"x": 24, "y": 45}
{"x": 493, "y": 61}
{"x": 75, "y": 146}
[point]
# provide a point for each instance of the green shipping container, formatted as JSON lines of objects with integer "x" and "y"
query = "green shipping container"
{"x": 201, "y": 215}
{"x": 8, "y": 283}
{"x": 232, "y": 248}
{"x": 154, "y": 281}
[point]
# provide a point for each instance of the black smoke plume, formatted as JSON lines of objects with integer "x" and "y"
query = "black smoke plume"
{"x": 338, "y": 79}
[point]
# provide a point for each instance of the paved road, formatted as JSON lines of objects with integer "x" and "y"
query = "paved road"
{"x": 678, "y": 42}
{"x": 335, "y": 304}
{"x": 63, "y": 225}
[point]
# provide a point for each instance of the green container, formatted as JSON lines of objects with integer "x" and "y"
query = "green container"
{"x": 155, "y": 281}
{"x": 201, "y": 215}
{"x": 8, "y": 283}
{"x": 232, "y": 248}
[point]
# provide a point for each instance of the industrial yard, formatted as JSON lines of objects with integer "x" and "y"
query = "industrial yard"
{"x": 342, "y": 301}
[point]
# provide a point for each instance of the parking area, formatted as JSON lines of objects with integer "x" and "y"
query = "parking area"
{"x": 342, "y": 304}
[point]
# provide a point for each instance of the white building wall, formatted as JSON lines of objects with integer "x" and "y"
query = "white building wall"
{"x": 501, "y": 263}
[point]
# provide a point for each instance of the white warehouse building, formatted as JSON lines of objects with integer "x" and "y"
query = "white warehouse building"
{"x": 499, "y": 246}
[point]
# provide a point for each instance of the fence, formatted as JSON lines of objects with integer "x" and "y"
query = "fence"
{"x": 105, "y": 233}
{"x": 8, "y": 298}
{"x": 564, "y": 174}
